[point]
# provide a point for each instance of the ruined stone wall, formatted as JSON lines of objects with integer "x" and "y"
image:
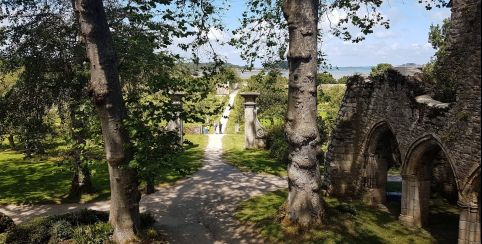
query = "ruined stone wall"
{"x": 392, "y": 100}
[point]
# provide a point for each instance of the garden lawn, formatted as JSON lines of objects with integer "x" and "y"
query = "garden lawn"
{"x": 258, "y": 161}
{"x": 187, "y": 162}
{"x": 46, "y": 179}
{"x": 43, "y": 179}
{"x": 367, "y": 225}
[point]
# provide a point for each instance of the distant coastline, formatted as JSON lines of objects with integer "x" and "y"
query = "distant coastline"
{"x": 336, "y": 72}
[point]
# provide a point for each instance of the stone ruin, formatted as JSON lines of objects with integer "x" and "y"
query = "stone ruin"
{"x": 392, "y": 120}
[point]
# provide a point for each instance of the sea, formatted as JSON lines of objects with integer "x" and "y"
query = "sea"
{"x": 337, "y": 72}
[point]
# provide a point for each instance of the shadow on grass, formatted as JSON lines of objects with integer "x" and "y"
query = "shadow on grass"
{"x": 258, "y": 161}
{"x": 361, "y": 224}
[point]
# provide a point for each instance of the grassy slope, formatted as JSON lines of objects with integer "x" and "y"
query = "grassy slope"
{"x": 258, "y": 161}
{"x": 369, "y": 225}
{"x": 47, "y": 180}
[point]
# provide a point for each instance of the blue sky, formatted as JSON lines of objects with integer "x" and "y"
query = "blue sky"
{"x": 404, "y": 42}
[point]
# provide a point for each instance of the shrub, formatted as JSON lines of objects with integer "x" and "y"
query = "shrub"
{"x": 61, "y": 231}
{"x": 34, "y": 231}
{"x": 276, "y": 143}
{"x": 6, "y": 223}
{"x": 92, "y": 234}
{"x": 42, "y": 229}
{"x": 380, "y": 69}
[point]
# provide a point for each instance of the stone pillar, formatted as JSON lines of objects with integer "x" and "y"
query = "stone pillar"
{"x": 177, "y": 124}
{"x": 250, "y": 118}
{"x": 469, "y": 224}
{"x": 415, "y": 194}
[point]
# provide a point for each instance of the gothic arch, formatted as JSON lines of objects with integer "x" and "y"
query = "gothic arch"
{"x": 381, "y": 151}
{"x": 416, "y": 151}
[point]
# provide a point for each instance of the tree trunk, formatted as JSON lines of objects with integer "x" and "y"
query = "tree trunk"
{"x": 105, "y": 89}
{"x": 81, "y": 182}
{"x": 304, "y": 205}
{"x": 11, "y": 141}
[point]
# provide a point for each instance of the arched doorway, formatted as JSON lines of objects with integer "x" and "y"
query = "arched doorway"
{"x": 381, "y": 154}
{"x": 429, "y": 190}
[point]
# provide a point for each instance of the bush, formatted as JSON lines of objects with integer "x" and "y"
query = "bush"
{"x": 380, "y": 69}
{"x": 92, "y": 234}
{"x": 61, "y": 231}
{"x": 6, "y": 223}
{"x": 34, "y": 231}
{"x": 276, "y": 143}
{"x": 42, "y": 229}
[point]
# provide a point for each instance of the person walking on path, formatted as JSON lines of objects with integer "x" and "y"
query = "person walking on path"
{"x": 215, "y": 128}
{"x": 220, "y": 128}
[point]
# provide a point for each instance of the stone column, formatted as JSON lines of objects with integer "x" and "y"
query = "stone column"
{"x": 177, "y": 124}
{"x": 250, "y": 118}
{"x": 469, "y": 224}
{"x": 410, "y": 213}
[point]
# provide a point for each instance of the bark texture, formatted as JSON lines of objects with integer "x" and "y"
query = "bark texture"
{"x": 304, "y": 205}
{"x": 105, "y": 90}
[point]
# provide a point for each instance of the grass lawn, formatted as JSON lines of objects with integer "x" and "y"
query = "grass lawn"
{"x": 188, "y": 162}
{"x": 368, "y": 225}
{"x": 46, "y": 179}
{"x": 258, "y": 161}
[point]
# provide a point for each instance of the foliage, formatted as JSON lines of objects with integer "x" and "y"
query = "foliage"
{"x": 263, "y": 34}
{"x": 434, "y": 72}
{"x": 6, "y": 223}
{"x": 258, "y": 161}
{"x": 344, "y": 223}
{"x": 83, "y": 226}
{"x": 97, "y": 233}
{"x": 329, "y": 102}
{"x": 326, "y": 78}
{"x": 379, "y": 69}
{"x": 272, "y": 101}
{"x": 276, "y": 143}
{"x": 343, "y": 80}
{"x": 61, "y": 231}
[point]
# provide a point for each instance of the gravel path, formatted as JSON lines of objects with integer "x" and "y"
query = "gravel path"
{"x": 197, "y": 210}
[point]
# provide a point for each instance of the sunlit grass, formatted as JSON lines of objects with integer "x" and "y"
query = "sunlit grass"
{"x": 368, "y": 225}
{"x": 258, "y": 161}
{"x": 47, "y": 179}
{"x": 187, "y": 162}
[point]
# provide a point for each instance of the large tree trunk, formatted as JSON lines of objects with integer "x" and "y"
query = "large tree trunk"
{"x": 106, "y": 94}
{"x": 304, "y": 205}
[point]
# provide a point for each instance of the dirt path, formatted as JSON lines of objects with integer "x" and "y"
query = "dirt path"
{"x": 199, "y": 209}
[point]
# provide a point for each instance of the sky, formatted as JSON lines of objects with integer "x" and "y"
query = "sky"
{"x": 404, "y": 42}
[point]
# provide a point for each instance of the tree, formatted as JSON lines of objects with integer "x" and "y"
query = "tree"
{"x": 270, "y": 38}
{"x": 325, "y": 78}
{"x": 435, "y": 71}
{"x": 107, "y": 98}
{"x": 304, "y": 205}
{"x": 380, "y": 69}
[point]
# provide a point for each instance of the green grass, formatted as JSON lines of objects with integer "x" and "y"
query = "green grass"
{"x": 46, "y": 179}
{"x": 368, "y": 225}
{"x": 258, "y": 161}
{"x": 188, "y": 162}
{"x": 43, "y": 179}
